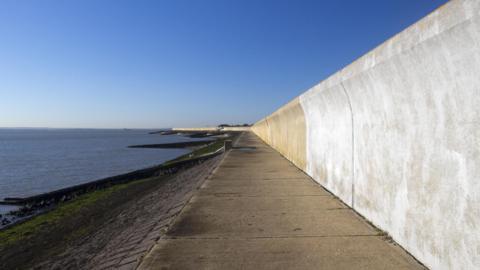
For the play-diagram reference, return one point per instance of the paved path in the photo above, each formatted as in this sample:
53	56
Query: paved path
258	211
126	237
152	215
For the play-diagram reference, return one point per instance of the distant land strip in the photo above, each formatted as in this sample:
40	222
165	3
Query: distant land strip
173	145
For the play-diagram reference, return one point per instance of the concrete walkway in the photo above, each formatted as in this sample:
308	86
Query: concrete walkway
258	211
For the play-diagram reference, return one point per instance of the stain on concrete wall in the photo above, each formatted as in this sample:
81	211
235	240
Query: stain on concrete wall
396	135
329	139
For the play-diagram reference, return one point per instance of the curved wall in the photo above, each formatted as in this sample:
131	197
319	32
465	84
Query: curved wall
396	135
285	131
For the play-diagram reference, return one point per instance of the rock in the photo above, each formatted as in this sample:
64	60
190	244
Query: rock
5	221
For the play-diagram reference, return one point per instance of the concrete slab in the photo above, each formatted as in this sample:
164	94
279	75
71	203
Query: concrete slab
291	183
245	175
266	203
286	189
259	212
358	253
249	223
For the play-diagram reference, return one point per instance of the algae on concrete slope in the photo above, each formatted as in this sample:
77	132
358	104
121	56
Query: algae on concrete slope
208	149
25	230
25	245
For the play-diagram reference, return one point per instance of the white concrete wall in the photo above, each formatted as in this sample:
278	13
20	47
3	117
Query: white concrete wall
396	135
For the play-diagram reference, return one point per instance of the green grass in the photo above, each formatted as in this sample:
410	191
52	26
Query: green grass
208	149
23	231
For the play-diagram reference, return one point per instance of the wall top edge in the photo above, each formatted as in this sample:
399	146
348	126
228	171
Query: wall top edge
440	20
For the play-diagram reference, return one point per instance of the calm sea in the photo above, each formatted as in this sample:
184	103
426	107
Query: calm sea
34	161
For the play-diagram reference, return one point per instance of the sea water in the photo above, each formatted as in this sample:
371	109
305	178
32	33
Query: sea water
34	161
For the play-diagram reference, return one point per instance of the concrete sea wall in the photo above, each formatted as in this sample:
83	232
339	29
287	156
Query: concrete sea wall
396	136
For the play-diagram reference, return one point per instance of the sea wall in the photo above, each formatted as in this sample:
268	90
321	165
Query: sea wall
396	136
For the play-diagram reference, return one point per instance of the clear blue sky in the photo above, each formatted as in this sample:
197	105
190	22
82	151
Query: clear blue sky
115	64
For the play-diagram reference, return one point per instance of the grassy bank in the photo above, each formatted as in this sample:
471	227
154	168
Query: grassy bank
22	245
24	231
210	148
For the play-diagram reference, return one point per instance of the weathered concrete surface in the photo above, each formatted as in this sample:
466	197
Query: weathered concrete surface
396	135
285	131
258	211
